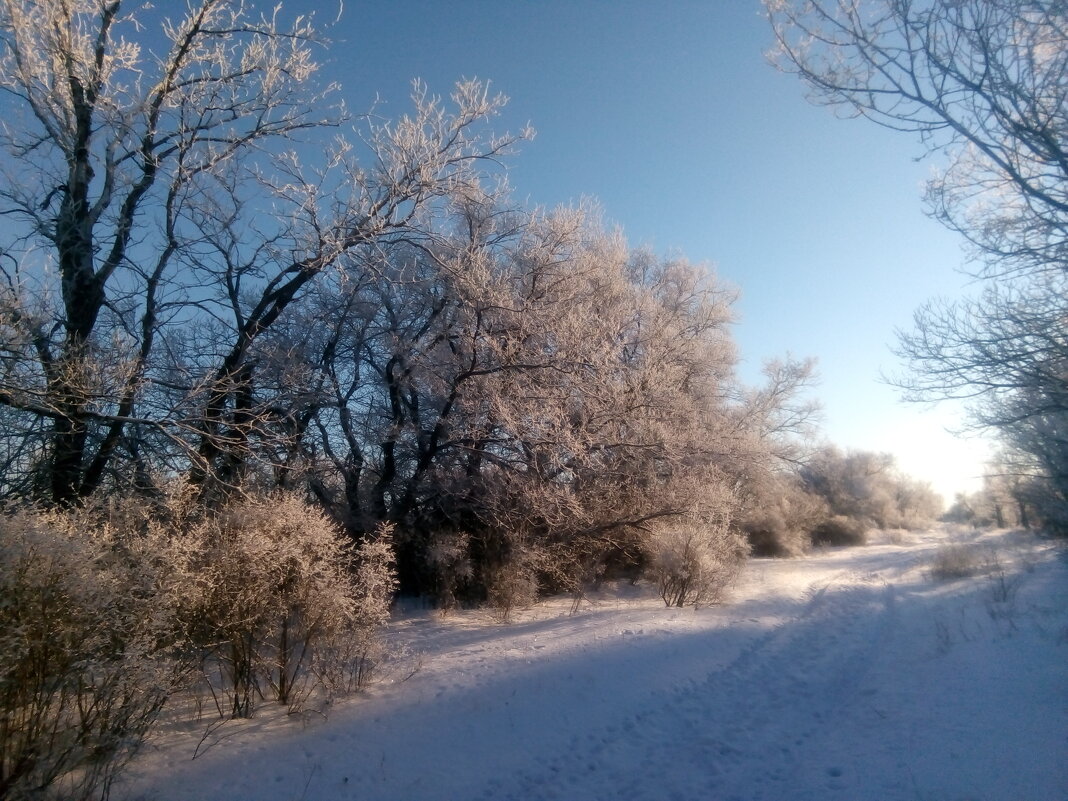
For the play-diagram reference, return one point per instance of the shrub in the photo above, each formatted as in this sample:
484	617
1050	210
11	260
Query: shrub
1003	584
83	661
777	514
513	582
954	561
780	524
896	536
104	612
772	540
265	584
840	530
693	562
347	658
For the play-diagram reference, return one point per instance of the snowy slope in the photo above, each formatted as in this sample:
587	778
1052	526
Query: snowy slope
848	674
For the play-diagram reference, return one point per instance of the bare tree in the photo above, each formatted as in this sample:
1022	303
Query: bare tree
1004	354
982	82
118	140
168	209
993	350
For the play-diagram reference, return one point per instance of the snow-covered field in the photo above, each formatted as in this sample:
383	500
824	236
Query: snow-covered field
849	674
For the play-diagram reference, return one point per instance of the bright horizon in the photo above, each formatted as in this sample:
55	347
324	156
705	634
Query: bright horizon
676	125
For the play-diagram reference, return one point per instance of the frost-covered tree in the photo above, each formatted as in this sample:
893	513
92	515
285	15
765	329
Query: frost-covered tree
170	223
981	82
869	490
530	387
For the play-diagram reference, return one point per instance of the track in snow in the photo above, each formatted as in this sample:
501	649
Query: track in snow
848	674
747	730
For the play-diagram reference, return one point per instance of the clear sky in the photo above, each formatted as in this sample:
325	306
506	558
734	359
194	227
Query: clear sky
669	115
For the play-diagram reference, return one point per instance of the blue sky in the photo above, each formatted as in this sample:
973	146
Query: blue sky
670	116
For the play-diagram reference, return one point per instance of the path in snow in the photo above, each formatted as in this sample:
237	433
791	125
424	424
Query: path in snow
848	674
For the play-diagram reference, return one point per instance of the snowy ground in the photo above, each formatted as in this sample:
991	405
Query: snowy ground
849	674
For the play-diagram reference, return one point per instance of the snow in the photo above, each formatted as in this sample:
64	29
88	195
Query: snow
850	674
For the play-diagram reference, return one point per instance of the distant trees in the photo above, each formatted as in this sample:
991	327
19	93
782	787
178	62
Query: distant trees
982	84
1016	492
834	498
868	488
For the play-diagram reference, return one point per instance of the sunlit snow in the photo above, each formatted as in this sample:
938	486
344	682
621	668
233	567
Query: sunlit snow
849	674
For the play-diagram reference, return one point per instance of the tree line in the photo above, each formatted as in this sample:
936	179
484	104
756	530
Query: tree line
216	277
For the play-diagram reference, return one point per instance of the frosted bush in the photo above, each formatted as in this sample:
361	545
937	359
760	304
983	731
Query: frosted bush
347	658
780	519
512	584
84	666
375	579
955	560
693	561
840	530
896	536
267	582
